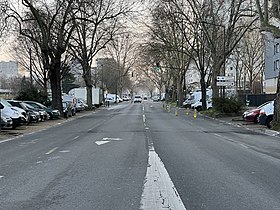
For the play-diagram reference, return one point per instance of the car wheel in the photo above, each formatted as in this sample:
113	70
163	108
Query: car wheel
257	119
268	122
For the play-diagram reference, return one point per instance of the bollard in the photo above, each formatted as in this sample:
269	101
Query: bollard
176	111
187	111
195	113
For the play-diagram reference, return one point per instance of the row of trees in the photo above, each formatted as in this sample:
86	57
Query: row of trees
200	33
51	34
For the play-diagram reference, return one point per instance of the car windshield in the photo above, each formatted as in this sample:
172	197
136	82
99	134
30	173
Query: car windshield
137	96
3	101
261	106
28	106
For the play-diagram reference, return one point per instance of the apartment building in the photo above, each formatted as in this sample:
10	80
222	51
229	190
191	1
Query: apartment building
272	62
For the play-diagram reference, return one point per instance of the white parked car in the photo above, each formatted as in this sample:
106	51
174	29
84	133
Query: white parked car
266	114
13	114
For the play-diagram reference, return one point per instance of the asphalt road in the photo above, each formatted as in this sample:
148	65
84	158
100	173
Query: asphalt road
140	156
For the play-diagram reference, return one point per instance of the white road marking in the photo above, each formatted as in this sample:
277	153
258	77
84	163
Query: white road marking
1	177
243	145
51	151
76	137
64	151
101	142
159	191
111	139
144	118
3	141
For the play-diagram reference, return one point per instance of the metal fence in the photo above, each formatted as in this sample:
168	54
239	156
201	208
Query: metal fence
256	99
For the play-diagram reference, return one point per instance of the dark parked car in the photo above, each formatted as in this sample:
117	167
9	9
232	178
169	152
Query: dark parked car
67	109
33	115
53	113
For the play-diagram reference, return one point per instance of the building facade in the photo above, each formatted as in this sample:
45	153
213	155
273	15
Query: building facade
9	69
272	62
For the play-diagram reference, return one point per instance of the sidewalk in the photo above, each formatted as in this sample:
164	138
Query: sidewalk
33	127
236	121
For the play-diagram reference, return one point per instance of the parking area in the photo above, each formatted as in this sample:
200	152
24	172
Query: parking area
33	127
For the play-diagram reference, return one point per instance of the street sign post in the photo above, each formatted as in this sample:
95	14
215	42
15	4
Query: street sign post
225	81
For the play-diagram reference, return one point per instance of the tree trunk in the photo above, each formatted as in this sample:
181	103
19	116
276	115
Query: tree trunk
215	88
276	116
89	97
89	84
56	89
203	92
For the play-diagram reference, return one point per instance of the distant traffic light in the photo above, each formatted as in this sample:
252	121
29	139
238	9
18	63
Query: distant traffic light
157	66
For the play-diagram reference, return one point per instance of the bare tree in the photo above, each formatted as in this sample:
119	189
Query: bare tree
251	55
123	49
48	25
97	23
167	49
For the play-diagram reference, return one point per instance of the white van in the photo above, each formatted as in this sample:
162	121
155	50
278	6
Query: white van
196	99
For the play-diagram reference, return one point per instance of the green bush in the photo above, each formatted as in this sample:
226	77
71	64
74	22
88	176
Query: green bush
32	94
227	105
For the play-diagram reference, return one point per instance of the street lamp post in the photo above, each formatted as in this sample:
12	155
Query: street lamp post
30	66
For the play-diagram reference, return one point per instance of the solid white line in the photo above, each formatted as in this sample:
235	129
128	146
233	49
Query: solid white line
243	145
3	141
51	151
159	191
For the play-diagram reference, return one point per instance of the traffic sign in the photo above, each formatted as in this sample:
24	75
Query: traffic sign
225	81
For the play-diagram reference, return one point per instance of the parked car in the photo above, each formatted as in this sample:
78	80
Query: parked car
33	115
53	113
72	101
81	105
67	109
137	99
109	101
266	114
6	121
13	114
252	115
24	117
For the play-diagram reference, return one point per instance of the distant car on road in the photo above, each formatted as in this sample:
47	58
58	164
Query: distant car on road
137	99
155	98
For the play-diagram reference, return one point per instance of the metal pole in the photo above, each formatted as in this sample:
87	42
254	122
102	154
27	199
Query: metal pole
30	66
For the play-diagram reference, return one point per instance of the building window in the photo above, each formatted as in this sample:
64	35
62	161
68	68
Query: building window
276	48
276	65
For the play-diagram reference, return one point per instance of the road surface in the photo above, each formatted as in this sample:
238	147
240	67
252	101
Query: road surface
140	156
